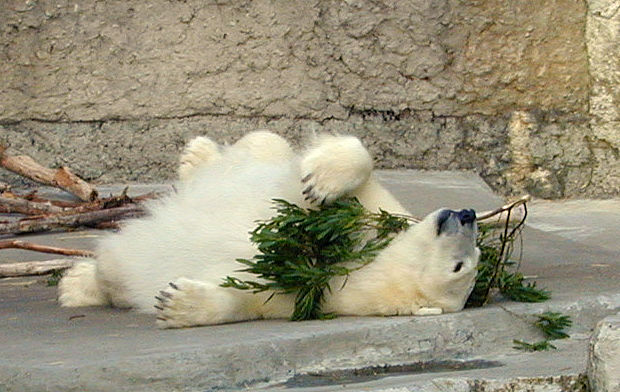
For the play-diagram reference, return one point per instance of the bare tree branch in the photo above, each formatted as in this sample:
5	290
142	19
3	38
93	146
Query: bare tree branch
9	205
16	244
34	267
73	220
515	216
501	211
61	178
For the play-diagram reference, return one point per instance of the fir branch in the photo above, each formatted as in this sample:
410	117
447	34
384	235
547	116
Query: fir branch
301	250
496	270
511	285
543	345
552	324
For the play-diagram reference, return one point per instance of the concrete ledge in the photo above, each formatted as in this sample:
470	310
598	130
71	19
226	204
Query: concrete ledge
604	358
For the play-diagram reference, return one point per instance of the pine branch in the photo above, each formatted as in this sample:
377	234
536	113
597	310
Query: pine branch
543	345
301	250
552	324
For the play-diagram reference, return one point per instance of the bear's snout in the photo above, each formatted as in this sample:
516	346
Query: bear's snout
466	216
452	222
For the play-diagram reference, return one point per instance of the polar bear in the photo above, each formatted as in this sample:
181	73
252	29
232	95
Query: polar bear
173	261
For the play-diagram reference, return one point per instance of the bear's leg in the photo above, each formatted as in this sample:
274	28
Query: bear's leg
265	146
188	303
334	166
199	152
79	287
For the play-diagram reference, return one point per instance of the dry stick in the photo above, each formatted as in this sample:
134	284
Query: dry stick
507	207
34	267
483	216
62	178
10	205
73	220
17	244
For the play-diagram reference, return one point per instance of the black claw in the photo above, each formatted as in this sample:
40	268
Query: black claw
306	178
307	190
160	299
165	294
158	307
174	286
161	318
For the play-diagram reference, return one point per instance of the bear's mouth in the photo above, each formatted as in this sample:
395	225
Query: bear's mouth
452	222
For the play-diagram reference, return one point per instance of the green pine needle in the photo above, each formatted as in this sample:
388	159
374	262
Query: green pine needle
552	324
54	277
513	287
538	346
301	250
497	271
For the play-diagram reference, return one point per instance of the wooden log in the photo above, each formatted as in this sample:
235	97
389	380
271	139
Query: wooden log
73	220
17	244
61	178
29	268
9	205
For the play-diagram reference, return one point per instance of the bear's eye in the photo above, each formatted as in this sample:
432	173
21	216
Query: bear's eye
458	266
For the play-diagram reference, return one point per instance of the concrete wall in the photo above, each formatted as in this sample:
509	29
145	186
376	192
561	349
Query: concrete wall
525	93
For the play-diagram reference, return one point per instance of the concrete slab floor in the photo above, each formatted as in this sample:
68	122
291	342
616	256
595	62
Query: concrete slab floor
45	347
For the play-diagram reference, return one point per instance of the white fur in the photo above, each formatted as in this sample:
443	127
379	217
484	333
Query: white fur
189	243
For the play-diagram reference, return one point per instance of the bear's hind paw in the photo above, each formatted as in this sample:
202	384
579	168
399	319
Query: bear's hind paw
188	303
334	167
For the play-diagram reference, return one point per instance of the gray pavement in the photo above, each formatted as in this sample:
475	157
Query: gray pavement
570	247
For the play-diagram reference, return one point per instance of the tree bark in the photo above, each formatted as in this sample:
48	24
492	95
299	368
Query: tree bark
9	205
34	267
16	244
72	220
61	178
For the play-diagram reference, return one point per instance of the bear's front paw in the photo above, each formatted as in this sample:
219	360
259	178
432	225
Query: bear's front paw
336	166
199	152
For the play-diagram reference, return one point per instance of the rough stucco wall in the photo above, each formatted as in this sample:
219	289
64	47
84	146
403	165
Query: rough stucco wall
603	36
426	83
311	59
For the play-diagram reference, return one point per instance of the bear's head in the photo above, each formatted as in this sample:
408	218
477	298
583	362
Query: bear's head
446	257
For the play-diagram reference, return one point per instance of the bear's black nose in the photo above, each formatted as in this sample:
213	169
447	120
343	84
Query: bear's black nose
466	216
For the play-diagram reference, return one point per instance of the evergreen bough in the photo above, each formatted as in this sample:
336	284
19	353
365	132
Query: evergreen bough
301	250
552	325
497	271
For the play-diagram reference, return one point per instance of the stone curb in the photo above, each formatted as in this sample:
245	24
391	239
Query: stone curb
604	356
274	359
